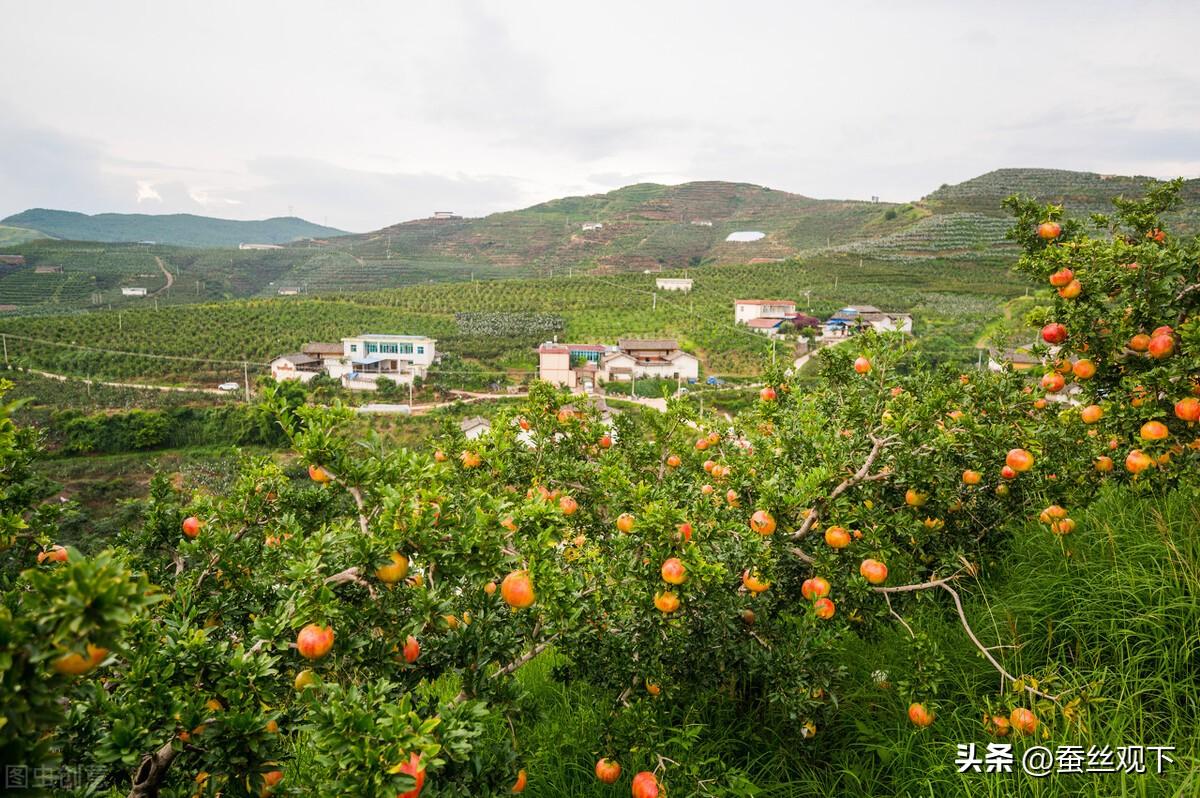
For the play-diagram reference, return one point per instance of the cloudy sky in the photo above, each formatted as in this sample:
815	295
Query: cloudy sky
360	114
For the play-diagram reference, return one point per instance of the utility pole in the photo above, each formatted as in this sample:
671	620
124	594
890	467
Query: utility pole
4	338
246	377
411	379
654	306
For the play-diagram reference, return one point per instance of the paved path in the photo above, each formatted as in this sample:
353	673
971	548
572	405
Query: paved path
139	386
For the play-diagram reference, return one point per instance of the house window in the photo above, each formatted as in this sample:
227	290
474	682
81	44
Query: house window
420	350
406	349
389	348
372	348
353	347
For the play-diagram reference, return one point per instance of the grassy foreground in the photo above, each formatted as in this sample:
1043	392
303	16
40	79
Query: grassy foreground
1121	613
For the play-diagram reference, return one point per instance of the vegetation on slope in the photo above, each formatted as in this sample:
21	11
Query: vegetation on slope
181	229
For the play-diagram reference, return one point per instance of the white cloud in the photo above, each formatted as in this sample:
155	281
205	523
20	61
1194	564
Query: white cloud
386	108
146	192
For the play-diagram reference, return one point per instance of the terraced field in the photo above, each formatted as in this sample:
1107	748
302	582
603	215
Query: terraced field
966	235
953	299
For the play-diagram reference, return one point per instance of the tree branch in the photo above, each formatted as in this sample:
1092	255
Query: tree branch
863	474
515	664
152	771
962	616
351	575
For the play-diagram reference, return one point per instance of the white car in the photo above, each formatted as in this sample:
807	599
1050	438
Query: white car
228	386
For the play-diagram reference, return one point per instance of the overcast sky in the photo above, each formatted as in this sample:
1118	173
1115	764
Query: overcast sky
361	114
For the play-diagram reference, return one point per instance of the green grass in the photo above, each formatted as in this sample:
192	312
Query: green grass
1121	613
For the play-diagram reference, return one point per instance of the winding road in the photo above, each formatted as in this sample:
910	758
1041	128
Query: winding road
170	277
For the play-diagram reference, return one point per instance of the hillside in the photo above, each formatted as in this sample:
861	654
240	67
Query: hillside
180	229
643	226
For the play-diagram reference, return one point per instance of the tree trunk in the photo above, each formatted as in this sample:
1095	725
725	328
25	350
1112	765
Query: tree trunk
151	772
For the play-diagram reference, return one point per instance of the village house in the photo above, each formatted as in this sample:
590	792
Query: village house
745	310
12	260
773	325
133	291
474	427
584	366
673	284
851	320
260	246
444	215
360	361
592	226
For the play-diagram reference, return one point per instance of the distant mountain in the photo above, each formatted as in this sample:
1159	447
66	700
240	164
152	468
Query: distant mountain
1082	192
643	226
180	229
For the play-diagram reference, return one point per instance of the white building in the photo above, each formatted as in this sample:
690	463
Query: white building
259	246
850	320
746	309
702	222
592	226
673	283
359	362
133	292
289	291
584	366
442	215
475	426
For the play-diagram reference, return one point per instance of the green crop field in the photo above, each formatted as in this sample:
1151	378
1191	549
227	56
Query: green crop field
951	301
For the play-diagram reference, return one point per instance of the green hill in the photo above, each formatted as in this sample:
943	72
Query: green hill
11	236
643	226
180	229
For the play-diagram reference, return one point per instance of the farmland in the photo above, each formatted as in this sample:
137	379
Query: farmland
951	301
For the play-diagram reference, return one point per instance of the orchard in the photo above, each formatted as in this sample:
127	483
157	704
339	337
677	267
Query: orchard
355	624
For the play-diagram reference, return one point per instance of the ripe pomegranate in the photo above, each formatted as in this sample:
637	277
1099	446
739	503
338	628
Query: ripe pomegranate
1061	277
1154	431
318	474
1188	409
625	522
1071	290
394	571
815	588
666	602
762	522
608	771
1137	461
673	572
1161	346
767	394
1054	333
517	590
1048	231
970	477
645	785
413	768
314	641
1019	460
919	715
412	650
824	608
191	526
753	582
837	537
1053	382
862	365
1091	414
873	571
1023	720
1084	369
55	553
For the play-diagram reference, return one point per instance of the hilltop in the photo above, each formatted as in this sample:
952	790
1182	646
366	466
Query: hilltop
180	229
652	226
643	226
